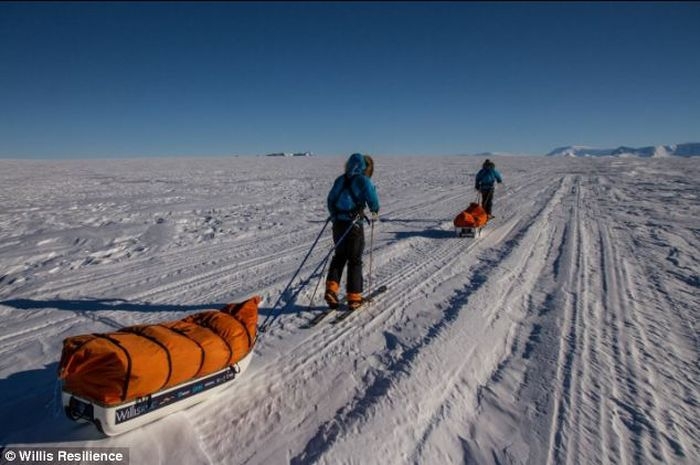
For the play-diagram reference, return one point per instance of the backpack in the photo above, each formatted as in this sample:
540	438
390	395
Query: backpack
358	205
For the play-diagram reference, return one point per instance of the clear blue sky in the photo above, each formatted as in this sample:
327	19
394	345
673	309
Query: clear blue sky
184	79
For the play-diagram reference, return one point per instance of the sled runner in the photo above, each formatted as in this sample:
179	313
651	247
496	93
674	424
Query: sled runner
130	377
468	232
469	222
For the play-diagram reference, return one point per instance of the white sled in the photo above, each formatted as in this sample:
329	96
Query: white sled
117	419
468	232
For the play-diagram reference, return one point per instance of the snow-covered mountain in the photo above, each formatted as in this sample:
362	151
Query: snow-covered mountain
579	151
657	151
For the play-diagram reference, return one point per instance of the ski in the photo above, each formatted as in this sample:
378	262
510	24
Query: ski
318	318
345	314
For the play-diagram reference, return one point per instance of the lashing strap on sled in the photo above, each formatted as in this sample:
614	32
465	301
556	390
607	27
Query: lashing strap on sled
201	349
128	363
205	325
245	329
159	344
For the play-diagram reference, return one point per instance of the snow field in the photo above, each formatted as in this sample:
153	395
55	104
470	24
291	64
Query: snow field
565	334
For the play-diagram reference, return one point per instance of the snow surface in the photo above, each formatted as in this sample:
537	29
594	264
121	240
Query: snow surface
566	334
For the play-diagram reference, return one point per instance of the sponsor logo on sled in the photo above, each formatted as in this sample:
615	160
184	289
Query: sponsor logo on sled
149	404
130	412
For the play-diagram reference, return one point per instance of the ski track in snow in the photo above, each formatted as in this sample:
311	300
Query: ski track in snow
566	334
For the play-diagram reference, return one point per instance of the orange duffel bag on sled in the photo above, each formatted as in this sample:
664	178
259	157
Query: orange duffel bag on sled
473	217
111	374
470	221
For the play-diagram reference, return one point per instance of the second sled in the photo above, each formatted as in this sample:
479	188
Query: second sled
469	222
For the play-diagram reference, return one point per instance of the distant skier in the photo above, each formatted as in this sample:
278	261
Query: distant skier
486	180
346	202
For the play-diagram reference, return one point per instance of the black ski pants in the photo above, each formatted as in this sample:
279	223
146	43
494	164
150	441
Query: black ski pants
349	252
487	200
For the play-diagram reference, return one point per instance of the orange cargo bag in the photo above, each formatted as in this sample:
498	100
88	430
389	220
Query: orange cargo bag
473	217
136	361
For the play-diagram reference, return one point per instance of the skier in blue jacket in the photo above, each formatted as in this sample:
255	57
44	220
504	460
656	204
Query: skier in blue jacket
486	180
346	202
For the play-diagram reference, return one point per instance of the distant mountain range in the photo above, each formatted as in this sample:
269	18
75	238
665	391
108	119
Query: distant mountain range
657	151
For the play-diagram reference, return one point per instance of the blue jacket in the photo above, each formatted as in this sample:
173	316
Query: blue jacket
352	191
486	178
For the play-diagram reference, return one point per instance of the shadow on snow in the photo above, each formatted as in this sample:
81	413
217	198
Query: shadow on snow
32	412
96	305
427	233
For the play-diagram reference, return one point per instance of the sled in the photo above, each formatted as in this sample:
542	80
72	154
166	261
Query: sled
124	379
113	420
469	222
468	232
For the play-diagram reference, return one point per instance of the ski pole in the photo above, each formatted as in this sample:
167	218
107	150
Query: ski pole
263	327
371	250
320	278
266	325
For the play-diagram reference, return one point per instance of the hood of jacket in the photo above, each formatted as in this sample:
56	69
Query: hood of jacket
355	165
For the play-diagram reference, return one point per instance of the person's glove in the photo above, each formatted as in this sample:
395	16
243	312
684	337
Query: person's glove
374	216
